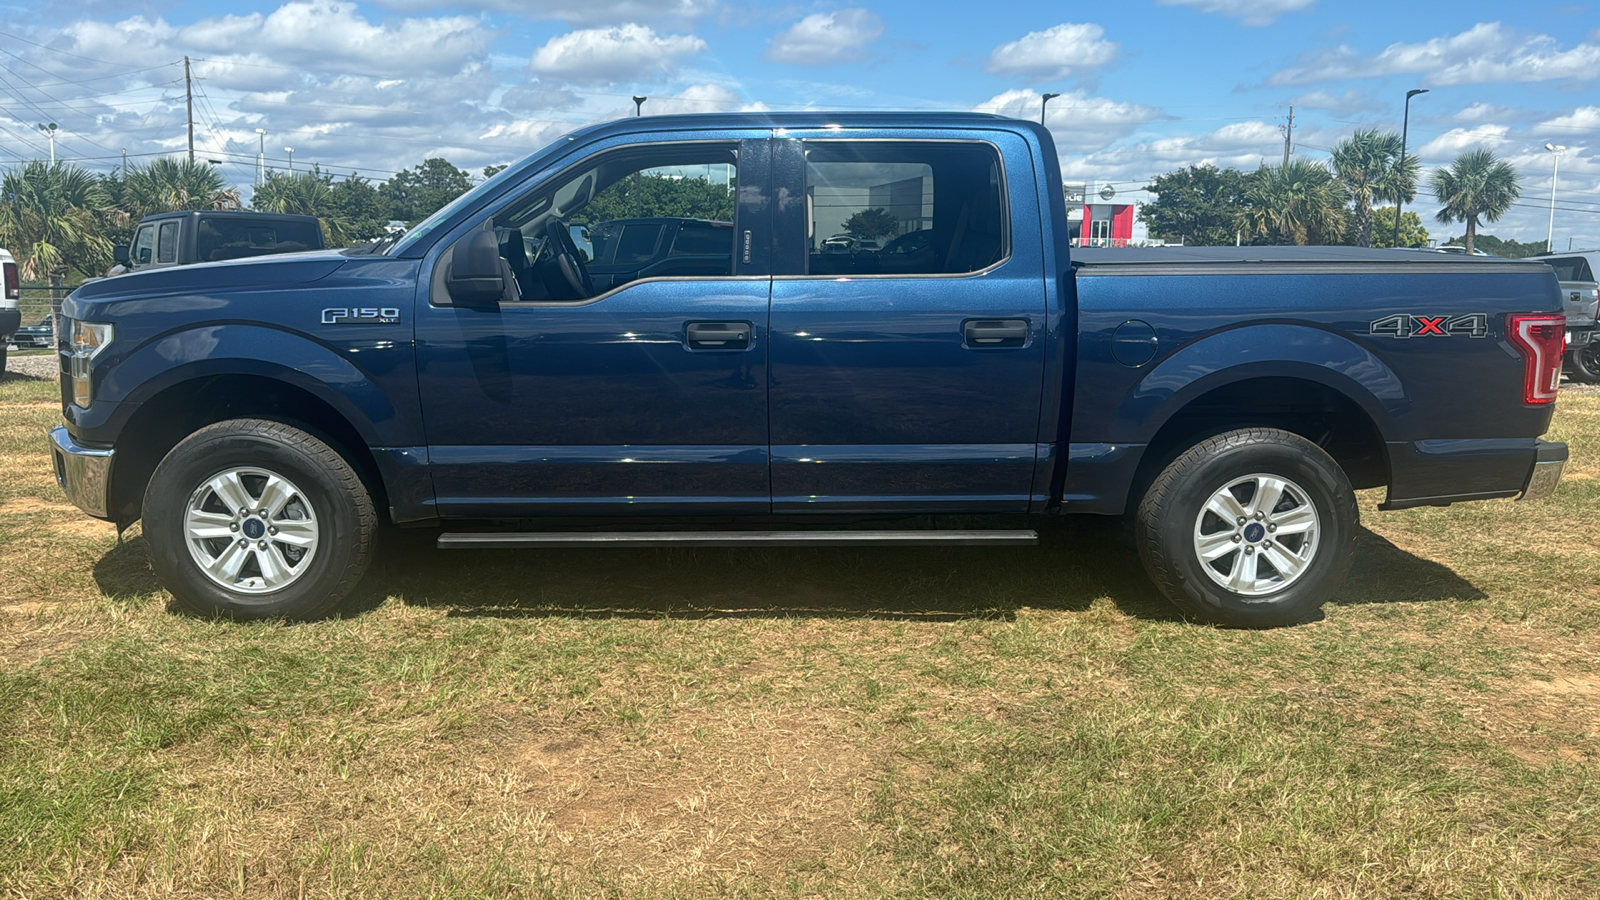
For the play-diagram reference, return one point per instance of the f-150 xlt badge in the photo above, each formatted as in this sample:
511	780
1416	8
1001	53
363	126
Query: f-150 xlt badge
364	315
1475	325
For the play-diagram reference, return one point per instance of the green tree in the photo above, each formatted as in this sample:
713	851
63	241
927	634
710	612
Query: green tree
1475	186
53	220
492	171
1509	249
1368	164
306	194
418	192
1198	206
1297	203
1412	234
872	224
360	209
659	195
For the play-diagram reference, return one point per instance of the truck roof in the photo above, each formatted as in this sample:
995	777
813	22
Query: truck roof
807	119
225	214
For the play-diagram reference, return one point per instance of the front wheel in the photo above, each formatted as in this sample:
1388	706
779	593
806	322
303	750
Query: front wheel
1251	528
254	519
1583	364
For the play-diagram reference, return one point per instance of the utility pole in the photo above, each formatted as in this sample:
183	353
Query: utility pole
1288	137
188	100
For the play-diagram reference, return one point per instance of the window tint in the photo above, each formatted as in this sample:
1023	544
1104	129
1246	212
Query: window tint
703	239
903	208
1571	268
167	243
235	238
637	244
143	245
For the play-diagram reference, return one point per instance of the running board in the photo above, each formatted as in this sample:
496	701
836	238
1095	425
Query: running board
510	540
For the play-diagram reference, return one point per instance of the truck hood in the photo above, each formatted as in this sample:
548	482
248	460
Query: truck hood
212	277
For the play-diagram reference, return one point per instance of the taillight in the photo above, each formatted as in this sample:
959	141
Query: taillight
13	285
1540	338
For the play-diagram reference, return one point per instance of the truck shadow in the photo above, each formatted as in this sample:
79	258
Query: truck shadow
1076	565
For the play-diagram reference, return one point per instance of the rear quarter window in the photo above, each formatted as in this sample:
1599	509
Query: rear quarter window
238	238
1571	268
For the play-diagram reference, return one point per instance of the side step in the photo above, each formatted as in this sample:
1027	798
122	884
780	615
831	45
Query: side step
515	539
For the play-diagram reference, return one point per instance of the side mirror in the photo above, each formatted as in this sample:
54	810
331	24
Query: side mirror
120	254
476	277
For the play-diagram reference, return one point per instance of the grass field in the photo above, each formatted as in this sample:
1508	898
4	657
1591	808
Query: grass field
810	723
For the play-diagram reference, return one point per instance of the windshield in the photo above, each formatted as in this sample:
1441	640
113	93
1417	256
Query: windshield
426	226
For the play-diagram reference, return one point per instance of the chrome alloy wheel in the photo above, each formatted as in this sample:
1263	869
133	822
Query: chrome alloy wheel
1257	534
250	530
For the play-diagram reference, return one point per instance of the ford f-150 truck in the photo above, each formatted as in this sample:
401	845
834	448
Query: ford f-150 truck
264	416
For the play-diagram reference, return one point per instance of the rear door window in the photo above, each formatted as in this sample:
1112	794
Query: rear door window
1571	268
167	243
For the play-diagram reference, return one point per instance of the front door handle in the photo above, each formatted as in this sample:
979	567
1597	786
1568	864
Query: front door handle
990	334
719	335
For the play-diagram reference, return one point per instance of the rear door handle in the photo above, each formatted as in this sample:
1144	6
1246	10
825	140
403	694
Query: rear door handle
719	335
991	334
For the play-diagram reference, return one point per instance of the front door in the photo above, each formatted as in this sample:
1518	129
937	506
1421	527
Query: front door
640	392
908	316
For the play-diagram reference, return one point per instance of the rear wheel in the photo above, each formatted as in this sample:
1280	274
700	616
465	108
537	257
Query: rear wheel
255	519
1251	528
1583	364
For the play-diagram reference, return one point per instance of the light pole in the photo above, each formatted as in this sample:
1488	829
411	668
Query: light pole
124	163
1555	150
1405	132
290	151
261	156
1043	102
50	131
638	106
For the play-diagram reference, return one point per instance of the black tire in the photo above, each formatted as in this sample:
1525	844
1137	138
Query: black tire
3	349
1172	524
1583	364
329	502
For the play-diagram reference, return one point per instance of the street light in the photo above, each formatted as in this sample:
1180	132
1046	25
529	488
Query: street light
638	105
1405	132
1043	102
290	151
261	156
1550	239
50	131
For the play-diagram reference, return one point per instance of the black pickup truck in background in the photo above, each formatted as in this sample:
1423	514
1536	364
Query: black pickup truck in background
183	238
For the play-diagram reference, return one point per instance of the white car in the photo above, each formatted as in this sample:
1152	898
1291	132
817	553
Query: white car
10	312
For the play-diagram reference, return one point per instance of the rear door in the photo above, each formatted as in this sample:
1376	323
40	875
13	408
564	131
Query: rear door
906	378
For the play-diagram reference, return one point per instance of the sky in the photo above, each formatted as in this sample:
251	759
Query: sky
1146	86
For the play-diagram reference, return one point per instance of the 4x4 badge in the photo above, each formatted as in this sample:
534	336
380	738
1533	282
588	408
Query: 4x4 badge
366	315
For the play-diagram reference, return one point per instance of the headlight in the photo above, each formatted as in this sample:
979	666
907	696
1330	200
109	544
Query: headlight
88	339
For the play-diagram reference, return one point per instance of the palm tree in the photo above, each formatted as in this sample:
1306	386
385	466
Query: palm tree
168	184
53	221
1299	203
307	194
1369	165
1476	185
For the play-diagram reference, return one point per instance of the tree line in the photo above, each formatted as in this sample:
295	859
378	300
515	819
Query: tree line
60	218
1307	201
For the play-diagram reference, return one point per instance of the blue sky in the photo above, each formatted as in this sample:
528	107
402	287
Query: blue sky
1147	86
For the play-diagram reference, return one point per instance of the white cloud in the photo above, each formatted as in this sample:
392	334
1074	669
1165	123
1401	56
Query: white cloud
1451	144
1584	118
699	98
1481	112
613	55
1054	53
1078	122
311	36
1348	103
1485	53
578	12
824	39
1248	12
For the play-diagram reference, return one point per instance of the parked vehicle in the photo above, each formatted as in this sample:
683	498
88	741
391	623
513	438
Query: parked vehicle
623	250
772	393
185	238
10	300
35	337
1581	294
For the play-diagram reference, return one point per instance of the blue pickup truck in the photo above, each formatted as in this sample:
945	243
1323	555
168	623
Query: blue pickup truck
264	417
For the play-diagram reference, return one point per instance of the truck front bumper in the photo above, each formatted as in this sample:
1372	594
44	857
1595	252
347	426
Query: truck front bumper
1550	460
84	473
